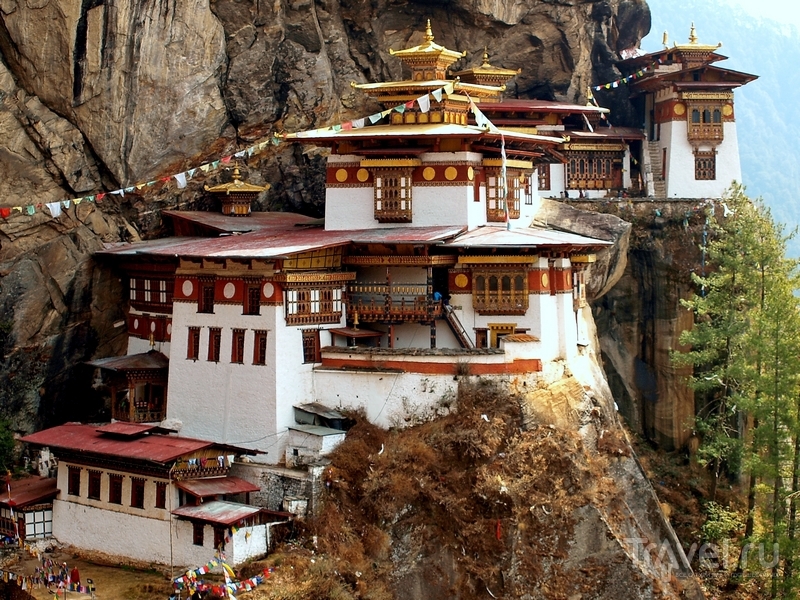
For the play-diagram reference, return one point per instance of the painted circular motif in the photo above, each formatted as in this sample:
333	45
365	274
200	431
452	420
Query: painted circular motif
362	175
229	290
152	327
136	323
545	280
169	328
429	173
470	173
450	173
341	175
679	109
461	280
187	288
269	289
727	110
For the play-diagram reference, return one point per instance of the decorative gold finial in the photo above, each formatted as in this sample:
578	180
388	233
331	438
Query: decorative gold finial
486	56
237	176
152	342
428	32
692	35
665	39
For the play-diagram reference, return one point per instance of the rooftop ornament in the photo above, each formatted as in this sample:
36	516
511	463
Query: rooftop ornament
237	195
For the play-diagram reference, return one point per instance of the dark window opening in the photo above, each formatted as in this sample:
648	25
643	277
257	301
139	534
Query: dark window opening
214	343
94	485
161	494
311	346
193	347
206	304
237	346
137	492
260	348
74	483
197	533
115	489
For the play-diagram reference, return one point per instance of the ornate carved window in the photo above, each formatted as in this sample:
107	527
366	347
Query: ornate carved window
498	194
544	176
206	300
306	306
393	195
151	294
311	346
705	122
252	299
260	348
500	292
590	170
705	165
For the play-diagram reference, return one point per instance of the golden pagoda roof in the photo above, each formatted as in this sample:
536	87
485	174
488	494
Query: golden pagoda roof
417	86
428	51
694	45
237	186
487	70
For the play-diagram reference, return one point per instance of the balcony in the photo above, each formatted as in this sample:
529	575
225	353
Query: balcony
391	303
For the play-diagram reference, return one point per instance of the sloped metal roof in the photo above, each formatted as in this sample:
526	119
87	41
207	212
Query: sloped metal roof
219	512
215	486
152	447
147	361
29	490
496	237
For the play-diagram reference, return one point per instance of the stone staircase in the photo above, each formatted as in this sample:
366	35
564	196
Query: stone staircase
660	186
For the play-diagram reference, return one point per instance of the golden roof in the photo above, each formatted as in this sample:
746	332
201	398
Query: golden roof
487	72
694	45
428	51
237	186
418	86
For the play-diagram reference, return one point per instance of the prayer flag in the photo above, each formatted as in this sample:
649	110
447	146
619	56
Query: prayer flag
424	103
181	179
437	94
55	208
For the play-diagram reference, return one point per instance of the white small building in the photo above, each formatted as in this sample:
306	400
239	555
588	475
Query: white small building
140	493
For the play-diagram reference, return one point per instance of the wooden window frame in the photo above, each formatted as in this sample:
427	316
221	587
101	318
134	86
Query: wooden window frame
705	165
219	537
392	197
591	170
214	343
137	492
150	293
198	530
74	481
705	123
495	203
252	299
193	344
237	346
161	494
313	306
205	298
311	346
95	479
114	488
260	347
544	176
501	291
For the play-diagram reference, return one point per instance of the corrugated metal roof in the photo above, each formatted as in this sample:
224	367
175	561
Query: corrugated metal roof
516	105
317	430
416	130
29	490
257	221
130	429
520	338
321	410
495	237
158	448
214	486
219	512
282	242
147	361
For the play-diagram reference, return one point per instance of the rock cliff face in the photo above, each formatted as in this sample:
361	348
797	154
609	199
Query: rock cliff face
99	94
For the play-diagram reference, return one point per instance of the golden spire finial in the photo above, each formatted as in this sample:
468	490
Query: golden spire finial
428	32
486	56
665	39
692	35
237	176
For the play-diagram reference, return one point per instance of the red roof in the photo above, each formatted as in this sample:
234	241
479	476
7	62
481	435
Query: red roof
29	490
153	447
218	512
518	105
257	221
148	361
281	242
215	486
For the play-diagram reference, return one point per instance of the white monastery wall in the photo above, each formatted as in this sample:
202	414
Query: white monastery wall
351	208
140	346
244	547
221	401
681	182
435	205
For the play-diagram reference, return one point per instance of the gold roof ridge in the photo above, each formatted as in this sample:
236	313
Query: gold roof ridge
694	44
428	49
236	185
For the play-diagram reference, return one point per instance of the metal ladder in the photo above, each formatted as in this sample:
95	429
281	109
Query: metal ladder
457	327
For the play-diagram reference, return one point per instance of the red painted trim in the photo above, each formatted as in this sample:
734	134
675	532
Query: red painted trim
435	368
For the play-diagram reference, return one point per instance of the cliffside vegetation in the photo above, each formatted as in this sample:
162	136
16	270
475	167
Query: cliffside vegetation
744	349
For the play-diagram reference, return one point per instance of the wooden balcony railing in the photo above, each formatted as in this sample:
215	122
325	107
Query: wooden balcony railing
396	303
139	416
500	303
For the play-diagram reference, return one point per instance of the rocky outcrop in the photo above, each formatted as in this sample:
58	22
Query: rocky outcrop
639	321
100	94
